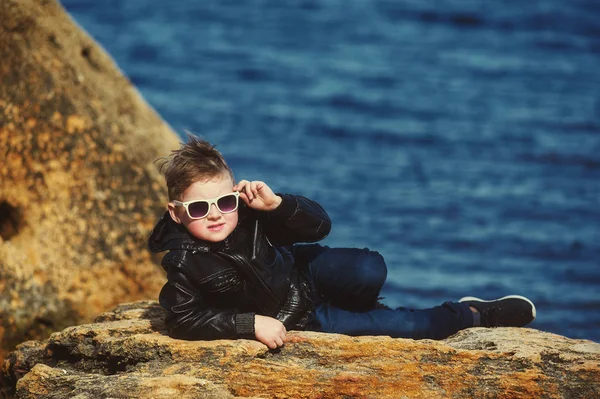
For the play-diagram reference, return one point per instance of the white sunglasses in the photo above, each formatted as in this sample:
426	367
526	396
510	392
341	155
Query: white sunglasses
198	209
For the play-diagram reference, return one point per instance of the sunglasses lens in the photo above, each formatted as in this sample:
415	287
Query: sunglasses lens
198	209
227	203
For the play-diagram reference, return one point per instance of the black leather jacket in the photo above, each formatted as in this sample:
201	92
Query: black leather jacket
213	290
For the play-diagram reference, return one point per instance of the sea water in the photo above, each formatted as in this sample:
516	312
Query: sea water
460	139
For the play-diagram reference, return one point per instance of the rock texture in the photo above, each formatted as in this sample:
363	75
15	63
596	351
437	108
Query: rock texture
78	188
126	354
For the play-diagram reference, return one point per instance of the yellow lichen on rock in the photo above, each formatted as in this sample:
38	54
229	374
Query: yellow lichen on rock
127	352
79	191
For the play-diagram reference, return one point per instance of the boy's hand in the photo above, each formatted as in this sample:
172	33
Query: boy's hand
257	195
269	331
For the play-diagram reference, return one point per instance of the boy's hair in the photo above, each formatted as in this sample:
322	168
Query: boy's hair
194	161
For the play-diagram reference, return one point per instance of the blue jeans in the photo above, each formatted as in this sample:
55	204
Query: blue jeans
347	282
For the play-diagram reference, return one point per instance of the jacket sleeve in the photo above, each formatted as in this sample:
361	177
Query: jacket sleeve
296	219
188	316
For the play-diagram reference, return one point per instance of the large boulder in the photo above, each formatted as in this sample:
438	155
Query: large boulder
79	191
127	354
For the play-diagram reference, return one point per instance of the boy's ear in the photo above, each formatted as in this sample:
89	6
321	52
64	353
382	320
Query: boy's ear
173	213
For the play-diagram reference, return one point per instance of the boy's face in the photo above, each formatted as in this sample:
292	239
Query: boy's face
216	226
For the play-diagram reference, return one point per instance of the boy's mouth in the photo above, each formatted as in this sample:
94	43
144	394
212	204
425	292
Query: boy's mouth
216	227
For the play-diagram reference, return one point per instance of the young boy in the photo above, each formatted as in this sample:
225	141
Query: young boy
235	268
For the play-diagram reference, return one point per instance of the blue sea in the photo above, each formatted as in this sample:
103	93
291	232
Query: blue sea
460	139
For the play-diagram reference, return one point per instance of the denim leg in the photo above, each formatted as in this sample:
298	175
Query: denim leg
434	323
348	278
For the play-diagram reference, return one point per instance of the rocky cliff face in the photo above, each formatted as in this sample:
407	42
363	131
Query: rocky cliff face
78	189
127	354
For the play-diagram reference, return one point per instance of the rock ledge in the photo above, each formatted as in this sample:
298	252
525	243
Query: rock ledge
126	353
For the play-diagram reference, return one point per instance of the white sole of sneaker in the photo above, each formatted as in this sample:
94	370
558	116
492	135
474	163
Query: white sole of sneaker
472	298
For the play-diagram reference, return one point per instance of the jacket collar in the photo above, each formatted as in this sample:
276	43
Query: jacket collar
168	235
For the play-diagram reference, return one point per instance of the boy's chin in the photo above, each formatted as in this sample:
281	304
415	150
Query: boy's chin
214	239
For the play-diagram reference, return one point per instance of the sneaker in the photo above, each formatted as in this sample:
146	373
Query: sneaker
509	311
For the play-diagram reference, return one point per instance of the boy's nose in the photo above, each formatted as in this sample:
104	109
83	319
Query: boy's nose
213	212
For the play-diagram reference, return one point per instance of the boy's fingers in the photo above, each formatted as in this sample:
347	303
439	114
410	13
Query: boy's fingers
248	189
243	189
240	186
244	197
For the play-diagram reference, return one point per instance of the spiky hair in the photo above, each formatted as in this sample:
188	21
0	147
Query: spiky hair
194	161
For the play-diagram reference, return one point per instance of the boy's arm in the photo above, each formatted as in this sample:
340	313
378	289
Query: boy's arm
189	318
288	219
296	219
